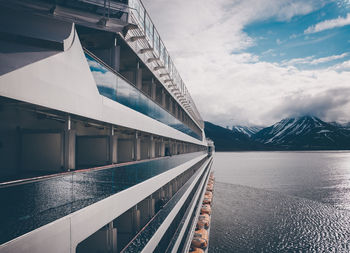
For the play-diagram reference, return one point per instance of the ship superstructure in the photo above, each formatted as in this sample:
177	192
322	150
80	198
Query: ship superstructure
102	148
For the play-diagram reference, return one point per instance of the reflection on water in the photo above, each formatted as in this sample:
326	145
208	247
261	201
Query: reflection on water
320	176
281	202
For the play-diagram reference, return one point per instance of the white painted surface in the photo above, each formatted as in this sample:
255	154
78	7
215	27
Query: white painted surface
53	238
88	220
194	224
152	244
187	220
64	82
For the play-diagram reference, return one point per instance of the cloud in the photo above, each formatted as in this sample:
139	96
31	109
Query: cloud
311	60
340	67
329	58
328	24
294	61
229	86
325	104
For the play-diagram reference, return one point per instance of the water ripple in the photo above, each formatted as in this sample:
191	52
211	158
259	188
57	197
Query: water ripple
247	219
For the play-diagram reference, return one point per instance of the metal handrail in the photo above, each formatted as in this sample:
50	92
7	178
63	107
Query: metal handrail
185	92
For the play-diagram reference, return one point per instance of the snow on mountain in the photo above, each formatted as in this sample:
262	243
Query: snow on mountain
247	130
228	140
307	132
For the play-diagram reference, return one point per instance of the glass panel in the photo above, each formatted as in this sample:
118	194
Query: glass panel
146	234
156	43
114	87
170	68
30	205
165	57
107	81
162	51
149	29
140	12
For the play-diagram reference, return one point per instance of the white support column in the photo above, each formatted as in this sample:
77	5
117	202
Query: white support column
170	105
176	111
136	219
137	147
113	146
152	147
153	90
171	149
170	190
152	205
175	148
69	145
162	148
138	77
112	238
163	99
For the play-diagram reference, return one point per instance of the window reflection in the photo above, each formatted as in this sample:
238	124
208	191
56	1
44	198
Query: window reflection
114	87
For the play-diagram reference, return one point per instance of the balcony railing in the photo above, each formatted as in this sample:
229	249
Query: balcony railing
143	237
139	16
31	204
110	84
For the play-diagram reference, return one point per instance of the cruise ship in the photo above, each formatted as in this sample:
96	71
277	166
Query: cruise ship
102	148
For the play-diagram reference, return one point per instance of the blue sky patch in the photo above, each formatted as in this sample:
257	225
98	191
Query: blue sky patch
283	41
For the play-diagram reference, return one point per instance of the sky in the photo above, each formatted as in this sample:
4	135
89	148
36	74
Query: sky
255	62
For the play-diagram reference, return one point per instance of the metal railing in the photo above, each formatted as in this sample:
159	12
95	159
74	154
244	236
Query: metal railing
139	16
110	84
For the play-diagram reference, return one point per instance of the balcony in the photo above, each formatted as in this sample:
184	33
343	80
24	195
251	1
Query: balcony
31	203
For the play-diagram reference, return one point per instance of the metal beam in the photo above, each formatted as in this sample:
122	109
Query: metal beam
152	59
135	38
158	68
128	27
144	50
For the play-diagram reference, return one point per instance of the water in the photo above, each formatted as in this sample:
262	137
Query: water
281	202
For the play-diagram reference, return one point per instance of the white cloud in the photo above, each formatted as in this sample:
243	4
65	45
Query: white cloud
292	62
329	58
344	66
231	88
311	60
329	24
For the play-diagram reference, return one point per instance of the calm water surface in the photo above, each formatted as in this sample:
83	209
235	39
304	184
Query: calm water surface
281	202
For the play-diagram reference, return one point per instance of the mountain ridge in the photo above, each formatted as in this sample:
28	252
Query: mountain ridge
247	130
298	133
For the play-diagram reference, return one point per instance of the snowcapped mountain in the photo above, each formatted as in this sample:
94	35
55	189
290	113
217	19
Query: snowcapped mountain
228	140
247	130
307	132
